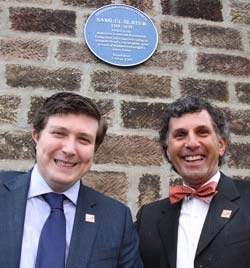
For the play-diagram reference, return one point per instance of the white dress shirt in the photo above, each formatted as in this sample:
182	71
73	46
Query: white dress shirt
192	216
37	211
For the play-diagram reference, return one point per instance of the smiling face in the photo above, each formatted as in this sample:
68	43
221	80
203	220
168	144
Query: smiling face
194	147
65	149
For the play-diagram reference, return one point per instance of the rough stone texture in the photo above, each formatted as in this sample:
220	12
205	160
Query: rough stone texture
74	52
113	184
87	3
223	64
129	150
23	49
149	189
171	32
238	155
1	20
211	89
243	92
143	5
34	1
142	115
239	121
106	106
8	109
171	60
175	180
198	9
15	146
35	104
29	76
215	37
135	84
43	20
107	109
240	12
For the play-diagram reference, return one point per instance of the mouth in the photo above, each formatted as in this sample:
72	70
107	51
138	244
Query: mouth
193	158
65	164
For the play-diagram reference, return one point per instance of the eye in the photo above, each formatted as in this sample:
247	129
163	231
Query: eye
179	135
84	140
58	134
203	132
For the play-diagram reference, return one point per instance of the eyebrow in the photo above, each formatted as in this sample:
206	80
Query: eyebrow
179	130
81	134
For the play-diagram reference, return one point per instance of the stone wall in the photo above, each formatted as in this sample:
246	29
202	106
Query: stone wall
204	49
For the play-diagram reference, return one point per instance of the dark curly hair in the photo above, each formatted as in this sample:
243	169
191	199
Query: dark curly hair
193	104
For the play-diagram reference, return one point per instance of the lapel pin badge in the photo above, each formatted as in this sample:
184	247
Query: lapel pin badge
90	218
226	213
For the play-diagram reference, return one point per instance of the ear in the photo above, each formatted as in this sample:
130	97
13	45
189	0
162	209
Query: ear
35	135
168	154
222	146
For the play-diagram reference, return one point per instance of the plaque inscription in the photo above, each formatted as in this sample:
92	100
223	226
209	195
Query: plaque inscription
120	35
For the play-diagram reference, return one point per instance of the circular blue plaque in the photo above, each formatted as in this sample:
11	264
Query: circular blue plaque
120	35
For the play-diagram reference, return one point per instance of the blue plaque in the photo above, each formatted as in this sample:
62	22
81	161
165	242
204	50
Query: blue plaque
120	35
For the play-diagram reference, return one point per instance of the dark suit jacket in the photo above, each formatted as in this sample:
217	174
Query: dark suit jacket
110	242
224	242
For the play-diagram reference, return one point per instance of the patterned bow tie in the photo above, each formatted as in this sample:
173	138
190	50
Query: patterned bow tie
177	193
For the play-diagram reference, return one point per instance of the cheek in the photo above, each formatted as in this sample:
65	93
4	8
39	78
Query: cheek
86	154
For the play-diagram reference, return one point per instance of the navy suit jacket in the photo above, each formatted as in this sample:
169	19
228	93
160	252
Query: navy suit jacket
224	241
110	242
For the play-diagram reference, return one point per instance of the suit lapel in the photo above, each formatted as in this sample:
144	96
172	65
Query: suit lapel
84	231
13	198
224	200
168	229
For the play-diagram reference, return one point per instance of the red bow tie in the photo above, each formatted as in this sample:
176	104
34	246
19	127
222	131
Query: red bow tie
177	193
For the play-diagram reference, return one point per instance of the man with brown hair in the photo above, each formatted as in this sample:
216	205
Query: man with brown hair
49	219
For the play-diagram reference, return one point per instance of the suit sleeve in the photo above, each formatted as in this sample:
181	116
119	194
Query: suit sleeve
129	252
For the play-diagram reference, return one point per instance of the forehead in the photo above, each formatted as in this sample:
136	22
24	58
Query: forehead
72	121
191	120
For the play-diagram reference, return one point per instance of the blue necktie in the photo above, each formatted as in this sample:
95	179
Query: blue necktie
52	243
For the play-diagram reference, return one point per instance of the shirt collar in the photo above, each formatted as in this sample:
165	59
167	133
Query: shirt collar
38	186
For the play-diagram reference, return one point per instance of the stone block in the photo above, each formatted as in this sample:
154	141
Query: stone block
142	115
143	5
171	32
240	12
171	60
223	64
149	189
8	108
29	49
16	146
113	184
55	79
197	9
238	155
133	84
87	3
215	37
211	89
30	19
68	51
129	150
243	92
239	121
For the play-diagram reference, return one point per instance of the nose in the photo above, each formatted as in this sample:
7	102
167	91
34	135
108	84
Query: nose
192	142
69	147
